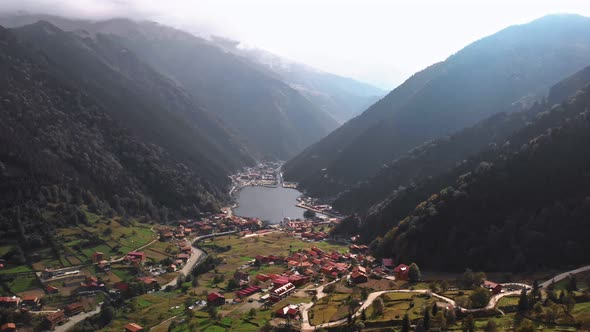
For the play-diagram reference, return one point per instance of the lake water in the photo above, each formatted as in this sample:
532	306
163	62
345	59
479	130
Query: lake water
272	204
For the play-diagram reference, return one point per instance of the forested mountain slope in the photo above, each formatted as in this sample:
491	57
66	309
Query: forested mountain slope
398	188
84	122
272	119
502	72
519	208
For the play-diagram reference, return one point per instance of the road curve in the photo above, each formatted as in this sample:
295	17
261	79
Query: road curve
564	275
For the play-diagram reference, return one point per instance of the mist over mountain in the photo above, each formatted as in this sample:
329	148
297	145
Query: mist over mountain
503	72
341	97
274	115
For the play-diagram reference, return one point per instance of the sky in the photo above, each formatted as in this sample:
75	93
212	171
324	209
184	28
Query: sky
381	42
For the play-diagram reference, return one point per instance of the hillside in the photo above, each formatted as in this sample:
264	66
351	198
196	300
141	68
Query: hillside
516	209
85	123
341	97
271	118
503	72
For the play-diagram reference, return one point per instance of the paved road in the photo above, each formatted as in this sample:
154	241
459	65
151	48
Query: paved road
76	319
564	275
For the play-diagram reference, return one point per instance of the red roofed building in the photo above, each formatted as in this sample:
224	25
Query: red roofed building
401	272
290	311
132	327
494	287
387	262
73	308
262	277
97	257
215	299
10	302
54	319
8	327
136	256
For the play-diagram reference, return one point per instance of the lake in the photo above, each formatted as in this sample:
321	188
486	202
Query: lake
272	204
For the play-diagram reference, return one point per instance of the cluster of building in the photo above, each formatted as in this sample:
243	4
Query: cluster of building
264	174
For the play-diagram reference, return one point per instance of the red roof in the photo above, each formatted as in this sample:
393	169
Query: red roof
214	296
133	327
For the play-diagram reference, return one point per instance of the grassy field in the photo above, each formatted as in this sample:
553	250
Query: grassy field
24	283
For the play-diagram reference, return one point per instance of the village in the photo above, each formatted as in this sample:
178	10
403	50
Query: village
239	267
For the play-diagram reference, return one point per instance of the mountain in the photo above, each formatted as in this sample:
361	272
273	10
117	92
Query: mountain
504	72
341	97
84	122
520	207
271	118
438	172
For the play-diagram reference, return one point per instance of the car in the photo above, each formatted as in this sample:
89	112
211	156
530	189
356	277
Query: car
250	300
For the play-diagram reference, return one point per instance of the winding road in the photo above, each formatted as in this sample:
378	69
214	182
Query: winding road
307	327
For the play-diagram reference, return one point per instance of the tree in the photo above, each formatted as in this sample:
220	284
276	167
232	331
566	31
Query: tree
426	319
569	302
378	306
444	285
480	297
441	320
434	309
309	214
468	324
414	274
252	313
406	323
180	279
523	302
572	283
420	326
363	315
491	326
525	326
451	317
232	284
107	314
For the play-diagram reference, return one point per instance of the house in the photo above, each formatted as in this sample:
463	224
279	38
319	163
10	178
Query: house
241	276
183	257
262	277
401	272
215	299
358	277
166	236
132	327
97	257
248	291
8	327
494	287
51	290
149	281
298	280
73	309
103	265
387	262
290	311
31	301
282	292
54	319
10	302
136	256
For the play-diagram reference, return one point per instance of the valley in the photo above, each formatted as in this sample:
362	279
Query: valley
158	178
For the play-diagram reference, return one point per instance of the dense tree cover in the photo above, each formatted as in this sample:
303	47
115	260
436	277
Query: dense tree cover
269	116
494	74
514	202
75	132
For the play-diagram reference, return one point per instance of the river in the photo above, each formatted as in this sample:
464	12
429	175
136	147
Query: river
272	204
